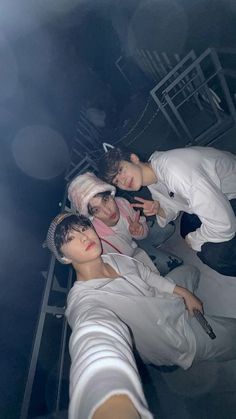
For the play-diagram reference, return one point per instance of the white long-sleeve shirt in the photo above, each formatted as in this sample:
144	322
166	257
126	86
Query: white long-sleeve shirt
201	181
99	311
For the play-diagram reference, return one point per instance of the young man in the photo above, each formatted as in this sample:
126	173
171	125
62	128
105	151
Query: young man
117	224
201	181
115	303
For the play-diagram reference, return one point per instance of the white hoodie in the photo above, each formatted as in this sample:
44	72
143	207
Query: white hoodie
201	181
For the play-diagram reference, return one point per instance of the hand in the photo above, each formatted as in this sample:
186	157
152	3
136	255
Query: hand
192	303
187	241
190	300
135	227
149	207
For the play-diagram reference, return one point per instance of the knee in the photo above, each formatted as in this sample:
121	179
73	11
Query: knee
219	257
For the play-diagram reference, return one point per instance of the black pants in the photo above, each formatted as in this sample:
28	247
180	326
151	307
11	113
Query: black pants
219	256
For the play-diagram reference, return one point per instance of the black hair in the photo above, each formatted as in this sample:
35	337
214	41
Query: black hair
74	222
98	195
108	165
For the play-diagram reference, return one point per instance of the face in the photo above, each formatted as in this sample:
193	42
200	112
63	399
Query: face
82	246
104	208
129	176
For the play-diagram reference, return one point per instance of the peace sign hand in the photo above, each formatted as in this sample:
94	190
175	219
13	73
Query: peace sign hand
135	227
149	207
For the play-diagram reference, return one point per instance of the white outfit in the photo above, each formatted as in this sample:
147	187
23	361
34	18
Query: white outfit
201	181
99	311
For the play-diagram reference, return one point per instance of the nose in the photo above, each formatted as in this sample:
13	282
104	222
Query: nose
107	211
83	236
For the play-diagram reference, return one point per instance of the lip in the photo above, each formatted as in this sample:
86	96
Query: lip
89	246
130	183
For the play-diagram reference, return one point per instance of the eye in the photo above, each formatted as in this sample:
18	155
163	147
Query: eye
106	198
69	238
120	169
83	229
94	211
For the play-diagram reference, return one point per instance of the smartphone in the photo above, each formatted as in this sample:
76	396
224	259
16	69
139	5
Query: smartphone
204	323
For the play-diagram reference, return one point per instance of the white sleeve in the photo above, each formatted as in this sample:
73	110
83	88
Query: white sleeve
170	213
155	279
102	361
215	212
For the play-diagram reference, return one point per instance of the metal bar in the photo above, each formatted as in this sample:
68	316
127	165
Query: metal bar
165	113
160	63
117	64
178	117
63	346
143	63
224	85
157	66
147	64
37	341
152	64
167	61
190	55
203	84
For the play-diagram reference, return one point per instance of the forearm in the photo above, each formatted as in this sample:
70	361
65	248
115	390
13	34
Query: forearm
101	352
166	215
204	234
161	213
116	407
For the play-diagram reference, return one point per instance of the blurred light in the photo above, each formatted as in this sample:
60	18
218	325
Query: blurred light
160	25
8	70
40	152
59	6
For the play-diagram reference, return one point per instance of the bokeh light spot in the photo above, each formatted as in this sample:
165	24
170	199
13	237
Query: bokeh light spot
40	152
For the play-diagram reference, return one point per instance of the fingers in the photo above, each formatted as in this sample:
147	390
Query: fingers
129	220
149	213
137	216
137	198
137	205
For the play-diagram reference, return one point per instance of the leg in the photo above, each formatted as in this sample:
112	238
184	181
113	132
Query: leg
189	223
158	235
223	347
185	276
220	256
164	261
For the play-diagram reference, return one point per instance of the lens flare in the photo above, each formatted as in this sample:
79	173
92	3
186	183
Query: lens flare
40	152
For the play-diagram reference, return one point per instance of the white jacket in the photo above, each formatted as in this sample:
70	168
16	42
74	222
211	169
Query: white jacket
99	311
201	181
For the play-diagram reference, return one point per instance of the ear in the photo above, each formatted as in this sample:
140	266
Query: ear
66	261
134	158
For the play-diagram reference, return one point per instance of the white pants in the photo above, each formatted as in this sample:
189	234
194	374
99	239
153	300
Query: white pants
223	347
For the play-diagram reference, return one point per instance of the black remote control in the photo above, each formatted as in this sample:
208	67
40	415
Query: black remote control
204	323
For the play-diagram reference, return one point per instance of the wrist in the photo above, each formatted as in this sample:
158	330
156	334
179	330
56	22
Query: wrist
182	292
